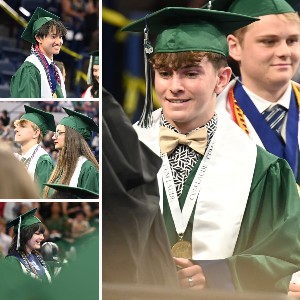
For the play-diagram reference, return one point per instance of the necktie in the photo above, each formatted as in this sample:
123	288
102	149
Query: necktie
52	76
196	140
274	116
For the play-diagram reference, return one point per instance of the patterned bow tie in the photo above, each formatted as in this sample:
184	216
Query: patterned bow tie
196	140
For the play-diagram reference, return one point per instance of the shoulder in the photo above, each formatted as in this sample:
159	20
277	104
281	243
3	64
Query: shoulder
270	169
88	165
45	158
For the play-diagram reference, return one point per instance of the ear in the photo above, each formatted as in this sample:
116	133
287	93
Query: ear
234	47
224	75
38	39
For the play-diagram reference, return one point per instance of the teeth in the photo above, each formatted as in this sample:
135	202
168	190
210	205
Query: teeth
178	101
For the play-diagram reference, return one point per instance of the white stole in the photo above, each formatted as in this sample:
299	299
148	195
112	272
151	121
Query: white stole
224	191
45	87
74	180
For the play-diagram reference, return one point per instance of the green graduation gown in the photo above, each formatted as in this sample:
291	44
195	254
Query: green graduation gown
43	171
26	83
14	262
88	178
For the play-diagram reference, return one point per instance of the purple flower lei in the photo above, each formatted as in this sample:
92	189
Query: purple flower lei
37	52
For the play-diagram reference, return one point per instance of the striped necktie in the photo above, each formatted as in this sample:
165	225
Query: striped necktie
274	116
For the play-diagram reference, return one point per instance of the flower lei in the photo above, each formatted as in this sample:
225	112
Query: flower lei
29	267
237	113
35	50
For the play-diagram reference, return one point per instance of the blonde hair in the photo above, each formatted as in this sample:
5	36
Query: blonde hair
74	147
15	182
292	17
33	125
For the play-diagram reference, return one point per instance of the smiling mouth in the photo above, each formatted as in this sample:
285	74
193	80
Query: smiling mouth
177	100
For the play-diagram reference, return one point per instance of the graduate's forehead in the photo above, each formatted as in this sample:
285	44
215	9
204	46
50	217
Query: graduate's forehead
60	127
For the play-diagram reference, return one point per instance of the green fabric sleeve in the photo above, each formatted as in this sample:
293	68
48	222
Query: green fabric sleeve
26	82
267	251
89	177
43	171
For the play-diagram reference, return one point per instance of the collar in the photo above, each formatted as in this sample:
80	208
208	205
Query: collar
210	125
262	104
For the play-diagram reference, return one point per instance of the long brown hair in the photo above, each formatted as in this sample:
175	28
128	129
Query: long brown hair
75	146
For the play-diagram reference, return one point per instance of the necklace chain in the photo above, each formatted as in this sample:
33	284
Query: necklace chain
29	267
28	160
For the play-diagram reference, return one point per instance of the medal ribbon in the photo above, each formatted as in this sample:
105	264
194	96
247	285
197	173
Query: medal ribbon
181	218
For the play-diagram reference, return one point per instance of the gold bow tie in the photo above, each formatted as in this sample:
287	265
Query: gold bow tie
196	140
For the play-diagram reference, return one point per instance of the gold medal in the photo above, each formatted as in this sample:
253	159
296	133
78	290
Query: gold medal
182	249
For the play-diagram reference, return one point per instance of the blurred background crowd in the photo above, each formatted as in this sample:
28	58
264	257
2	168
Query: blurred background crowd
81	18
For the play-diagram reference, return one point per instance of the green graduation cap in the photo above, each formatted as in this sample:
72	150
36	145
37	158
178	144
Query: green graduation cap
44	120
254	8
94	60
190	29
23	221
80	122
75	192
38	19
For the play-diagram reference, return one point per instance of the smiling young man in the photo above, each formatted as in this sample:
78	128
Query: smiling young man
263	101
29	132
38	76
228	204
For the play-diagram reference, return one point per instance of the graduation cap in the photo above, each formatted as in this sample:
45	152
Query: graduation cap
75	192
80	122
38	19
23	221
181	29
254	8
94	60
44	120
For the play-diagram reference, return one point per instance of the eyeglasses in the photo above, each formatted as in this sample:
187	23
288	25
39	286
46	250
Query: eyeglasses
58	133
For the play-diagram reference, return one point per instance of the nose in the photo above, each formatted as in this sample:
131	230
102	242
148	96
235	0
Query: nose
176	84
54	137
283	49
16	129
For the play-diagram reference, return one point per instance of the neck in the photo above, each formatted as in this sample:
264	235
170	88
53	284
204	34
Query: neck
26	146
271	93
50	56
188	127
27	251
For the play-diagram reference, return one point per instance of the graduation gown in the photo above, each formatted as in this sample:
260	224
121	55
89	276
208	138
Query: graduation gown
30	81
89	177
223	107
15	263
134	242
43	171
247	208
